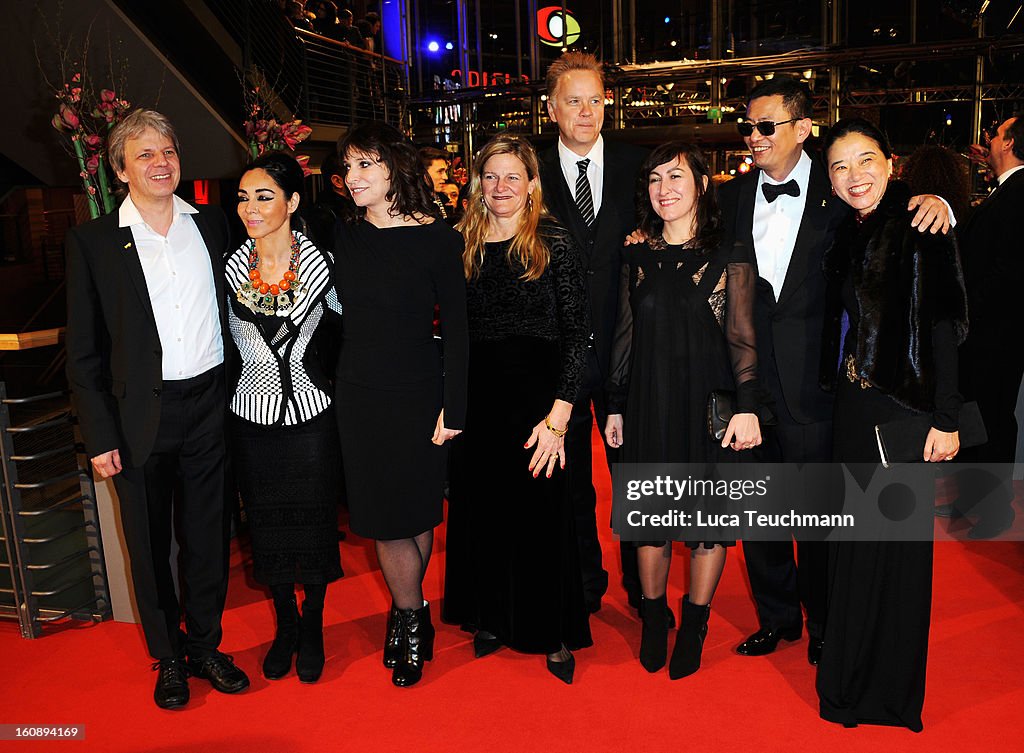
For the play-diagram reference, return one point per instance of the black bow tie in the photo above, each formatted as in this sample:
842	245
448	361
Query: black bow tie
771	190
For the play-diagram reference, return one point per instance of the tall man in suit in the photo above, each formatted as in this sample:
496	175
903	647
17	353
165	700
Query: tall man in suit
145	350
589	185
991	366
784	210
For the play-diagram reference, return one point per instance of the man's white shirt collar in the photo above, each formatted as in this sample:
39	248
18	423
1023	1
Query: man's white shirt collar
1002	178
596	154
128	214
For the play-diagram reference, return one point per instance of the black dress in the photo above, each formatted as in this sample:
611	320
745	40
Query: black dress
393	376
875	652
284	442
685	328
512	562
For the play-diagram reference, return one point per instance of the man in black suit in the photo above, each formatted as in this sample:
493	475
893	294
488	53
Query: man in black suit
784	210
145	351
589	185
991	366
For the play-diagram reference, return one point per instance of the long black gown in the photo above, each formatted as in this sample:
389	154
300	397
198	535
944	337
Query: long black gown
875	652
512	562
685	328
393	378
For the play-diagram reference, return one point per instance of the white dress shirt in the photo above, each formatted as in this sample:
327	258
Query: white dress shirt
595	170
179	277
776	224
1002	178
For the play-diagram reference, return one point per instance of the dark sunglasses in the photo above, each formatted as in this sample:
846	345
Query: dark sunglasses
764	127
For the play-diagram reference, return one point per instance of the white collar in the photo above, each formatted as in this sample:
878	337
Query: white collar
128	214
596	154
801	173
1002	178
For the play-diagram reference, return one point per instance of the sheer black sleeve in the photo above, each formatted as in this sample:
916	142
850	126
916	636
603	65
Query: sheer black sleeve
740	289
948	400
617	386
573	313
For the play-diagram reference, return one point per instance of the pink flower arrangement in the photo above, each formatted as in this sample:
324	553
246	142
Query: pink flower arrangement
264	132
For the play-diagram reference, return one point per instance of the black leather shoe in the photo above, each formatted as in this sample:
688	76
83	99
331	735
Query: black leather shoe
563	670
948	510
392	639
171	690
221	671
763	642
484	644
309	663
813	651
278	661
417	645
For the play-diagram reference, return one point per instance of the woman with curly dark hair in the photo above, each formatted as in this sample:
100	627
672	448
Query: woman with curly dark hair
397	403
685	328
939	170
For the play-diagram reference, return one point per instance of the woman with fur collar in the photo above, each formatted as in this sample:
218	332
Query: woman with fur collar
903	292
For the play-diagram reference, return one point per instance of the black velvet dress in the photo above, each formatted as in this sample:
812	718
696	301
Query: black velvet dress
512	563
393	378
875	652
685	328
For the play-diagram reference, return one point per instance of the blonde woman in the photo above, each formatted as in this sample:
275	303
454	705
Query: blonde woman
512	573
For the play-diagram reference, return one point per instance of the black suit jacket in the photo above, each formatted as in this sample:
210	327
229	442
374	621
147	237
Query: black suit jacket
789	328
114	354
601	243
993	262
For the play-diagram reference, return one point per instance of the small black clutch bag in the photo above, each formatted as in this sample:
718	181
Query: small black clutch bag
721	407
903	441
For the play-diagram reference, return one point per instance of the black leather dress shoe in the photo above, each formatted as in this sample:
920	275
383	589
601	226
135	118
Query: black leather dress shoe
485	644
763	642
990	527
813	651
221	671
171	690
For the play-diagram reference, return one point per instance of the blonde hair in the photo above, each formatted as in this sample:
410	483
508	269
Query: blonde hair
527	248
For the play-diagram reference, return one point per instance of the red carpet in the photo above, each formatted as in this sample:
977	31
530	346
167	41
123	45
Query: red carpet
97	675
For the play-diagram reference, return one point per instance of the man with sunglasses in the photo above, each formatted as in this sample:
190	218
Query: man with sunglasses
785	212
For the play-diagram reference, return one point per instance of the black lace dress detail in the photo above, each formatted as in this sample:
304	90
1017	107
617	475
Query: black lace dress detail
553	307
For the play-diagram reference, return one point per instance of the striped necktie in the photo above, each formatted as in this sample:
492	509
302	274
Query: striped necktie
584	199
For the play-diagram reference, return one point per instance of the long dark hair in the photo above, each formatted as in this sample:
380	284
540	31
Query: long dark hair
708	220
941	171
287	175
410	193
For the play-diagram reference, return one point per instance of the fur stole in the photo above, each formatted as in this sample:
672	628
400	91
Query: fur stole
904	282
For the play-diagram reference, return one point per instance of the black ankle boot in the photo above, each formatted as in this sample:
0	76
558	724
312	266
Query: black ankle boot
654	635
417	645
278	661
393	639
693	629
309	664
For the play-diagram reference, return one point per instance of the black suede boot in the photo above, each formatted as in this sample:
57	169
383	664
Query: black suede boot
417	645
309	664
693	629
654	635
278	661
392	639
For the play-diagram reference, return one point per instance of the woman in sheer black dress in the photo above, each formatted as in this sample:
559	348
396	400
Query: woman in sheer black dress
685	328
903	293
512	572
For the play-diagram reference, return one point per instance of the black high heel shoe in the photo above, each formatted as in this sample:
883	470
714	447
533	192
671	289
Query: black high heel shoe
417	645
485	644
563	669
393	639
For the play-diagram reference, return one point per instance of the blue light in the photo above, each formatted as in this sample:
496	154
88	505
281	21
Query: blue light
449	46
433	46
668	20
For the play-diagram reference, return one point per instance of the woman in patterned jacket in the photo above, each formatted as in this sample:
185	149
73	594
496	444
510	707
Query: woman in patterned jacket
284	436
